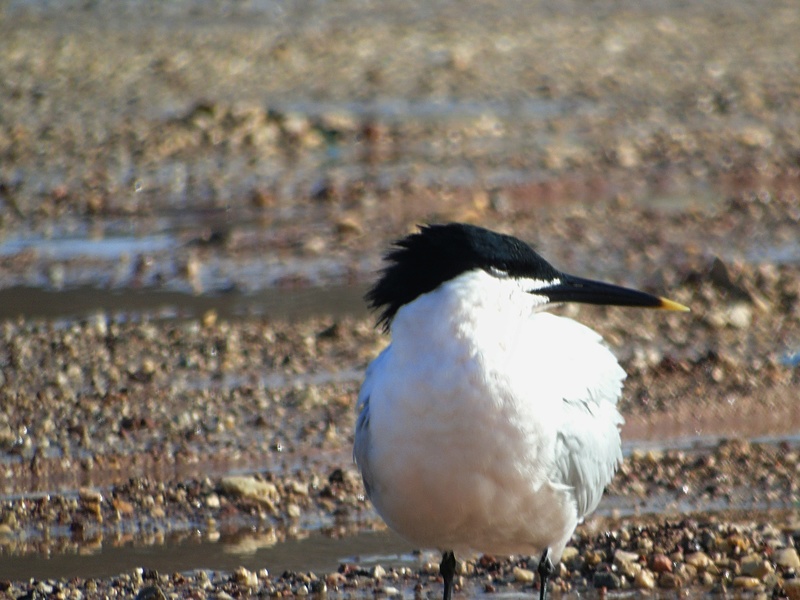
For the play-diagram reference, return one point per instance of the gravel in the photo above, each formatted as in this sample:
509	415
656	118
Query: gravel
654	146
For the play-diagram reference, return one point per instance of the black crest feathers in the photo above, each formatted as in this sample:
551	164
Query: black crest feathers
422	261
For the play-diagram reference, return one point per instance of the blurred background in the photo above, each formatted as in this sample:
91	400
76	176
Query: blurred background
194	196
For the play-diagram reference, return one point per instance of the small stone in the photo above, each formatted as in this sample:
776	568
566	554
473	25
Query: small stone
391	591
244	577
335	579
595	557
212	501
209	318
572	559
699	560
668	581
661	563
740	316
736	544
293	510
464	567
523	575
249	487
787	558
569	553
297	487
791	588
746	583
606	579
151	592
123	507
378	572
755	566
349	225
644	580
621	556
44	588
90	496
686	573
627	563
6	532
629	569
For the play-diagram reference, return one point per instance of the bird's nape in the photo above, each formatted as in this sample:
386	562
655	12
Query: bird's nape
587	291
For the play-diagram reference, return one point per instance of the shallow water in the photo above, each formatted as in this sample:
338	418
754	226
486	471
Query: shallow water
134	304
317	553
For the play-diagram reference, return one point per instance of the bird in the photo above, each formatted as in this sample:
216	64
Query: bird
488	424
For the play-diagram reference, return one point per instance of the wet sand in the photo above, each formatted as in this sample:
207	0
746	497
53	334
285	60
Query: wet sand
192	205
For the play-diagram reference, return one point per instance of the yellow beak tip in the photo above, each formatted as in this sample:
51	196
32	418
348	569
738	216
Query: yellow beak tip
670	305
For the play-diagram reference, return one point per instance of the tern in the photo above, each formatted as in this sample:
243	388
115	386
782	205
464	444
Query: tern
488	424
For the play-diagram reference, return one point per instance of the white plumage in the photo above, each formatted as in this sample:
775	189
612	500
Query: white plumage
488	424
475	434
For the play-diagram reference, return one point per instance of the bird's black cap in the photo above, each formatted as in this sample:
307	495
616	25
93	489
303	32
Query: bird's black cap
421	262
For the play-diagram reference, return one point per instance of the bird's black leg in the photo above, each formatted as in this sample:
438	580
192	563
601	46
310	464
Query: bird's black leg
447	568
545	570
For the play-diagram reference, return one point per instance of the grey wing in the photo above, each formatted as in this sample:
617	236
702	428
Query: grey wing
361	445
588	450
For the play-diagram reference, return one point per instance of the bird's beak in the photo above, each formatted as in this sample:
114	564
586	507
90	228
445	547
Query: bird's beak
586	291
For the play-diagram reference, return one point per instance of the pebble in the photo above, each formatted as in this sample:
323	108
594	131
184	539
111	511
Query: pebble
621	556
570	552
699	560
243	576
661	563
90	496
792	589
594	557
645	580
755	566
523	575
668	580
787	558
606	579
391	591
686	573
335	580
378	571
250	487
627	563
151	592
747	583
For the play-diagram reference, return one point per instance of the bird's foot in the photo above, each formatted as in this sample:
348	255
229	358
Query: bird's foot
447	569
545	570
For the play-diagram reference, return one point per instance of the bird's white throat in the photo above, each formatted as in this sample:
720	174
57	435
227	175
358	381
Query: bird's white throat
474	304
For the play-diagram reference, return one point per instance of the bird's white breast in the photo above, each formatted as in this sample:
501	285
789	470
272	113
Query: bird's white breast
485	426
